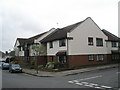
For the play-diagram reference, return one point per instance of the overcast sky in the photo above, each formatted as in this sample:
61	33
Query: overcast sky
26	18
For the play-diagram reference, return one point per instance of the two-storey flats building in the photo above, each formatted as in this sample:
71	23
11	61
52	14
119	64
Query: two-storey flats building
112	47
30	49
83	43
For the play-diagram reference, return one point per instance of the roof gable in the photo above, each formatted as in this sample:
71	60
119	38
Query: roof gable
30	40
21	41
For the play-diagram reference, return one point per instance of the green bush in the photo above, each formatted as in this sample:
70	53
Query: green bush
40	66
30	66
33	62
53	65
50	65
14	62
58	65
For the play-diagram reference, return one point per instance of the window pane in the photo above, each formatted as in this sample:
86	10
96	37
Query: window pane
51	44
90	57
99	41
58	59
51	58
62	42
114	44
100	57
62	59
90	41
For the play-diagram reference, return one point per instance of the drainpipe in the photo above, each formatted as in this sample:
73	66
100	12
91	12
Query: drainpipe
67	53
68	38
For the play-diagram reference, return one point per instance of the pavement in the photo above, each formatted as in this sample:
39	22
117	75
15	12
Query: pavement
68	72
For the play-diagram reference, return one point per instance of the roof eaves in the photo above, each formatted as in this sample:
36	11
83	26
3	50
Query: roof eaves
111	37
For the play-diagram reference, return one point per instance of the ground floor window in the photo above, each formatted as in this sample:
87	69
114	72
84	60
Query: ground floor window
90	57
51	58
100	57
25	58
62	59
115	56
34	57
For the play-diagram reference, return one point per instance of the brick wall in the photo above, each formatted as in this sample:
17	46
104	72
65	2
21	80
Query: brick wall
81	60
39	60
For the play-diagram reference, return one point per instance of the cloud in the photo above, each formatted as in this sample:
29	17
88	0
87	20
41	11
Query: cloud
16	24
26	18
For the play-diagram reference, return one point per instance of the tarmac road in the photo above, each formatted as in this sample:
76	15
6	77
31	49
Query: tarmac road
101	79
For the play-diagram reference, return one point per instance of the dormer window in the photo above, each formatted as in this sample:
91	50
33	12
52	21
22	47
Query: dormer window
62	42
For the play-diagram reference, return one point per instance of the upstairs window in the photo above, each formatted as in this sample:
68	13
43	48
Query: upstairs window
62	43
114	44
90	41
19	48
51	44
99	42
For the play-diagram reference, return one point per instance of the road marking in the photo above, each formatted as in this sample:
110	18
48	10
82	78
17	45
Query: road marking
84	82
75	81
97	87
78	80
70	82
117	72
79	83
106	87
89	78
88	85
93	84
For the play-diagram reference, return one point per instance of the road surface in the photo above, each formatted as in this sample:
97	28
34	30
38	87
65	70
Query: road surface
101	79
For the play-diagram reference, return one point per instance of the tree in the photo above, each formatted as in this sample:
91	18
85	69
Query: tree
37	51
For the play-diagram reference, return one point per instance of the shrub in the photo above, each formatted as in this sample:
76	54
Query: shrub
58	65
14	62
54	65
50	65
33	62
40	66
30	66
